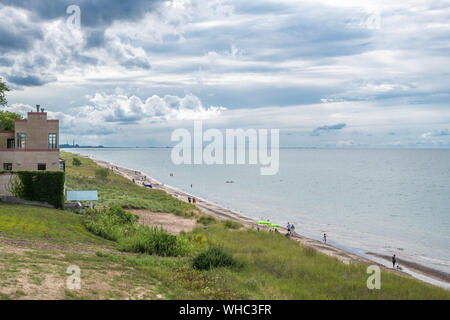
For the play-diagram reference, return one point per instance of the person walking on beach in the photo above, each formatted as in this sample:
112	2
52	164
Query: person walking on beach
325	238
189	199
289	227
292	229
394	260
194	200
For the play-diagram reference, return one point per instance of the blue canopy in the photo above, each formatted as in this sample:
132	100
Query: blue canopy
82	195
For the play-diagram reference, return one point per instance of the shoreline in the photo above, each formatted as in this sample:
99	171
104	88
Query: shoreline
412	269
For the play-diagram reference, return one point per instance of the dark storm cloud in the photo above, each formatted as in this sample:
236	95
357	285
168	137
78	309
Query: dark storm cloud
136	63
29	80
17	35
94	13
324	129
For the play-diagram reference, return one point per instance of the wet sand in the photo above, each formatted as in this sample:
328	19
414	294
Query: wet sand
436	274
222	213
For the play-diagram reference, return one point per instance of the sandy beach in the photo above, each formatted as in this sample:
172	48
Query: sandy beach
408	268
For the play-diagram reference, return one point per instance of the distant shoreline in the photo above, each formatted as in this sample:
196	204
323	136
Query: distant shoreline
416	270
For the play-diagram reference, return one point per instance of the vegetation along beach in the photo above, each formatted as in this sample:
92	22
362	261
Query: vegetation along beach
124	251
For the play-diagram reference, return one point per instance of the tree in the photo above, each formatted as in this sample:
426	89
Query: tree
3	90
6	118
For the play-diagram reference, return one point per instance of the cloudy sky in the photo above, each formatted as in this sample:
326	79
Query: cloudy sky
357	74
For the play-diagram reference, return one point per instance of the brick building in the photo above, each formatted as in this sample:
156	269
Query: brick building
33	145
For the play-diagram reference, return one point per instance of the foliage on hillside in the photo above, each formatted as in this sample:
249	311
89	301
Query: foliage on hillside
114	189
220	261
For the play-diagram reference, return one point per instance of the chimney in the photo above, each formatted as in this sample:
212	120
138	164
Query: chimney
42	109
37	107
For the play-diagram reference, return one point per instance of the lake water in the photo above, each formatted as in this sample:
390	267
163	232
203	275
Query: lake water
384	201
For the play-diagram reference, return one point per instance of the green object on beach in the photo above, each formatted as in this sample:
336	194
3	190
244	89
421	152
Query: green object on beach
269	224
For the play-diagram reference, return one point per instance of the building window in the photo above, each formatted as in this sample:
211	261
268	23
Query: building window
10	144
7	166
42	166
21	139
52	141
62	165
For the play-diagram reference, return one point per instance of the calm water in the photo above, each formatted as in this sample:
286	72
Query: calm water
384	201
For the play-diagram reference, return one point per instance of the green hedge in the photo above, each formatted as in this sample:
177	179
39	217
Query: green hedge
42	186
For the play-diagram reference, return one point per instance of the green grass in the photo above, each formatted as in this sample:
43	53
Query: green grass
278	268
119	225
266	265
230	224
270	266
117	190
43	224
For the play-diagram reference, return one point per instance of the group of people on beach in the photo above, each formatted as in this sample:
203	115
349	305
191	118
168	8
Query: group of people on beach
290	230
192	200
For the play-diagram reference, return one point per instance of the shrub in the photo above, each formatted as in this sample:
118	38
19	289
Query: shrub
153	241
76	162
230	224
206	220
106	230
102	173
199	239
116	224
43	186
213	258
107	224
120	216
111	224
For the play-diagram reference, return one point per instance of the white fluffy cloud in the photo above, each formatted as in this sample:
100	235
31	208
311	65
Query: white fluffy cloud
380	67
121	108
108	114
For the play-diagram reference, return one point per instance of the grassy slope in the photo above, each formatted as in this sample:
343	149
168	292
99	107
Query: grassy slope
272	266
119	190
37	224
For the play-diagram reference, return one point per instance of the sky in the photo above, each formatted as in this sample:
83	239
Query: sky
328	74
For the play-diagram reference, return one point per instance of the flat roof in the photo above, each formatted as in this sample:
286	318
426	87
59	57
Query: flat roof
82	195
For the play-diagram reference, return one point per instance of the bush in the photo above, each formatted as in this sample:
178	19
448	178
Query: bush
76	162
230	224
120	216
206	220
116	224
42	186
213	258
153	241
102	173
110	224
